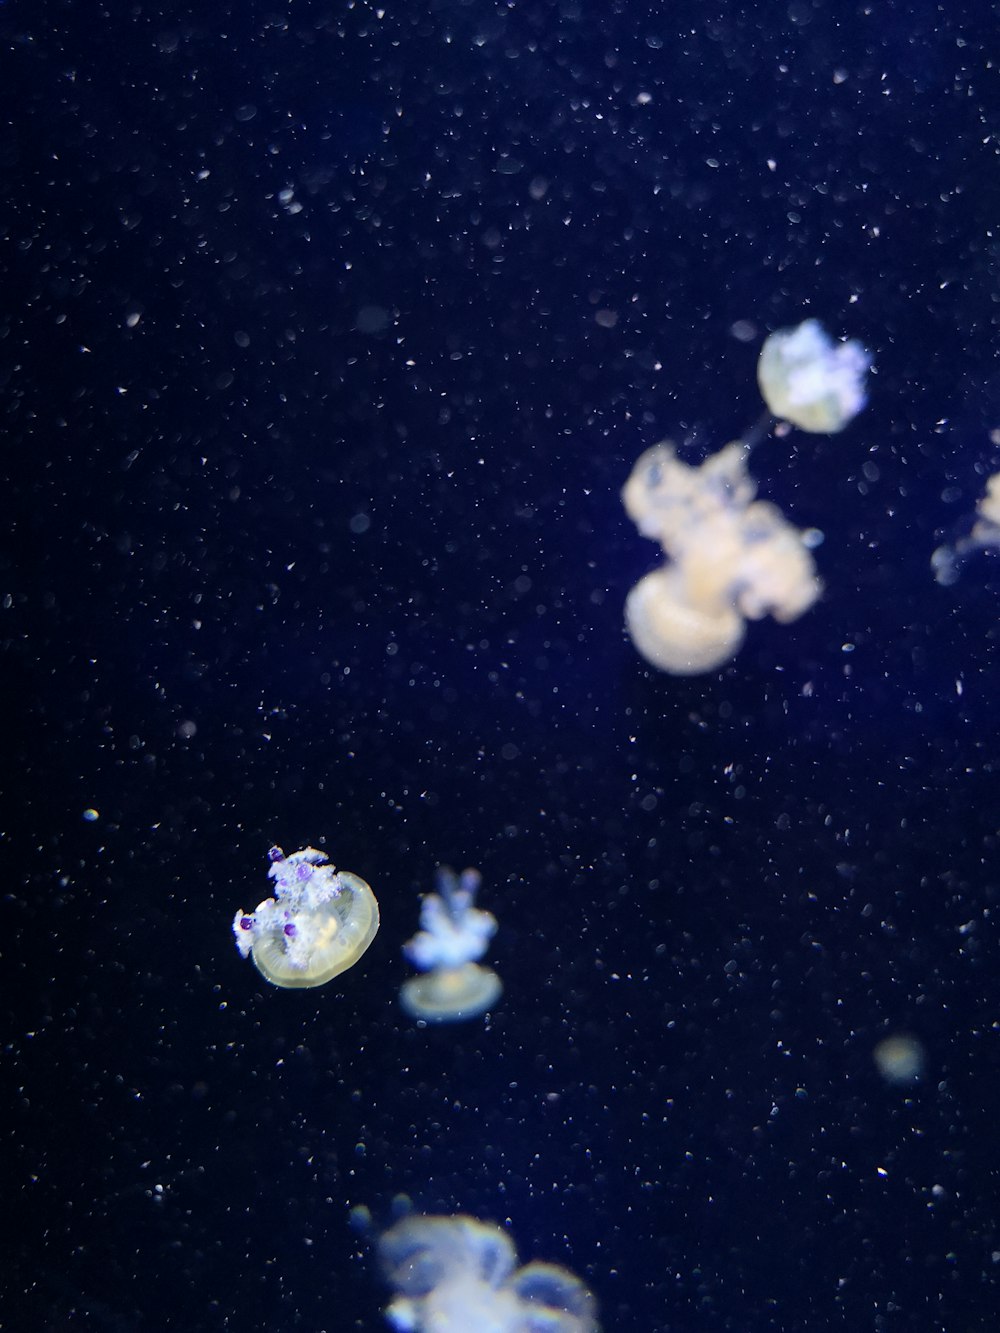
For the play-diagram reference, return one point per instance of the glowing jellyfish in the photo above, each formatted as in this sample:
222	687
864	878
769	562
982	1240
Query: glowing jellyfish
899	1059
318	924
454	1274
810	380
730	558
947	560
453	934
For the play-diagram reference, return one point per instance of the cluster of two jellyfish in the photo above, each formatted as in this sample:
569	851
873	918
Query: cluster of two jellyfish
321	920
730	557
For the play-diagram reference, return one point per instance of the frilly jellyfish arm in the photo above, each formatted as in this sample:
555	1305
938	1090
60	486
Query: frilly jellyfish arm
810	380
454	1273
318	924
452	931
947	560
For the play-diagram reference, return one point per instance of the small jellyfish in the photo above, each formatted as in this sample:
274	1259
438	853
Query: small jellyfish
318	924
455	1273
810	380
899	1059
947	560
453	934
730	558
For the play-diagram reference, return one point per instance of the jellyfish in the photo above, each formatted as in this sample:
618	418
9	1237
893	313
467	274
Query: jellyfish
810	380
455	1273
730	558
947	560
453	934
318	924
900	1059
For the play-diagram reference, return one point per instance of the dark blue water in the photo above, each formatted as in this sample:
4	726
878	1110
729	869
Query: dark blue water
328	336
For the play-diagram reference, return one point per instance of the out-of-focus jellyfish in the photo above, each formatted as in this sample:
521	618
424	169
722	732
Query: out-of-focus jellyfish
454	1274
899	1059
810	380
453	934
318	924
946	561
730	558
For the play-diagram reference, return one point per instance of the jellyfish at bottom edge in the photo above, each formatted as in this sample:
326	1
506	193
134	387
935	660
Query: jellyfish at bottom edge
453	934
318	924
452	1274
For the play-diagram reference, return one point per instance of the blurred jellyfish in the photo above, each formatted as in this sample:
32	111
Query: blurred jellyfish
453	934
899	1059
318	924
730	558
457	1275
810	380
946	561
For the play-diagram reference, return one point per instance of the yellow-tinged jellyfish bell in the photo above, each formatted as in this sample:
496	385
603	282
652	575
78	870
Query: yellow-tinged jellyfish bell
456	1275
899	1059
318	924
729	558
946	561
810	380
453	934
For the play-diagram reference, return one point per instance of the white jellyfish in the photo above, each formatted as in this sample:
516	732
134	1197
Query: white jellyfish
455	1274
453	934
318	924
810	380
729	558
947	560
900	1059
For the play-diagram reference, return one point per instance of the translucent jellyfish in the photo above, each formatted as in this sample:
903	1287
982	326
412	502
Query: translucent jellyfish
453	934
947	560
454	1274
318	924
810	380
899	1059
730	558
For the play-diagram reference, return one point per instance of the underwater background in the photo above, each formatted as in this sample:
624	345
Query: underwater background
329	334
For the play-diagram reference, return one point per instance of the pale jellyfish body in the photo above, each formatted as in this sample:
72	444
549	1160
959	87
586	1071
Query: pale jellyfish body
947	560
317	925
457	1275
810	380
454	934
900	1059
730	558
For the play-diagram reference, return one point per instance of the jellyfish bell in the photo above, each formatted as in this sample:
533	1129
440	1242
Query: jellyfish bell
675	636
337	933
900	1059
318	924
810	380
449	994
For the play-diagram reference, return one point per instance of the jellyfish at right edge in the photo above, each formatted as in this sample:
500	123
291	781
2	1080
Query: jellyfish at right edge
454	1274
729	558
810	380
453	934
947	560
